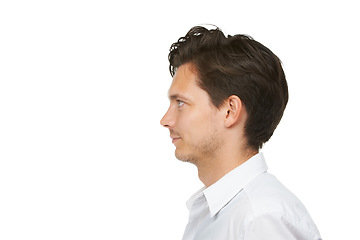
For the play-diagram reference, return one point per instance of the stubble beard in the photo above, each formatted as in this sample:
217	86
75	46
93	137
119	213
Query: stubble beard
204	151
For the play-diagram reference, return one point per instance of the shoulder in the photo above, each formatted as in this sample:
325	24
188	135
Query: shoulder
277	211
267	194
266	209
264	194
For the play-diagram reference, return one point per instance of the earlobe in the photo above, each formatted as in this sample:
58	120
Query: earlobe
233	106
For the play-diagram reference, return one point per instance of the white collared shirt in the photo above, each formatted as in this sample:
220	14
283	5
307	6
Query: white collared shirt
248	204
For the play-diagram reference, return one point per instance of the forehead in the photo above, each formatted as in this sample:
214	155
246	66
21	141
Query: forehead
185	84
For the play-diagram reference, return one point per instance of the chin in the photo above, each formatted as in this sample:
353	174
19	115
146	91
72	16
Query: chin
184	157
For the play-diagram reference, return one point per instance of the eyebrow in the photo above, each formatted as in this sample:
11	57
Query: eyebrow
177	97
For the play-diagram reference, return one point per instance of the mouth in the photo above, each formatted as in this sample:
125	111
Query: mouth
174	140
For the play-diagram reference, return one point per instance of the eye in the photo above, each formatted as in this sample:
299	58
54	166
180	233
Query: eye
180	103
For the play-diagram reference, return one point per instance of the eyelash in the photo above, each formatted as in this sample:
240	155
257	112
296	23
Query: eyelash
180	103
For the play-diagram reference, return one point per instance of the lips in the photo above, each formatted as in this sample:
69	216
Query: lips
174	140
174	135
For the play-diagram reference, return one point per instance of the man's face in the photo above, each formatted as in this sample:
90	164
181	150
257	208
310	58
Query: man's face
194	122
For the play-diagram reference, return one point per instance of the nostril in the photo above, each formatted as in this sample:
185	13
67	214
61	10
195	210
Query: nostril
165	121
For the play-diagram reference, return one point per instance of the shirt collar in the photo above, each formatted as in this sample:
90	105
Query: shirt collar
225	189
194	197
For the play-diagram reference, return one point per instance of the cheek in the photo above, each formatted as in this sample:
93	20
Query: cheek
194	126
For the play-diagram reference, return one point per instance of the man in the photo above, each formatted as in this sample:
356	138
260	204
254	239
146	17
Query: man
227	96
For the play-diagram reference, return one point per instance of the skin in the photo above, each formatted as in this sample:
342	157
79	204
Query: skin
209	137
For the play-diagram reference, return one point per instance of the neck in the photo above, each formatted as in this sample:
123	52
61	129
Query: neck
211	170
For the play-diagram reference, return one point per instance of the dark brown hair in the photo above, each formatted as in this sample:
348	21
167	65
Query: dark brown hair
236	65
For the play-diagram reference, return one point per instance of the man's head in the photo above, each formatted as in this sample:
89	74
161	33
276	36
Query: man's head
234	67
191	118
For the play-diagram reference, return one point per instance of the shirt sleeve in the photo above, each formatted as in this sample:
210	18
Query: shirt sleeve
278	226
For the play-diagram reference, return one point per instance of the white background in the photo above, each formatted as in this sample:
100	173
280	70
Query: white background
83	86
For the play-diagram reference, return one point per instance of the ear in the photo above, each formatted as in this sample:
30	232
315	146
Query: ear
234	108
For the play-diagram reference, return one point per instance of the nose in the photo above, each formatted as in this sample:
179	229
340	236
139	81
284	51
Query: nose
167	120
